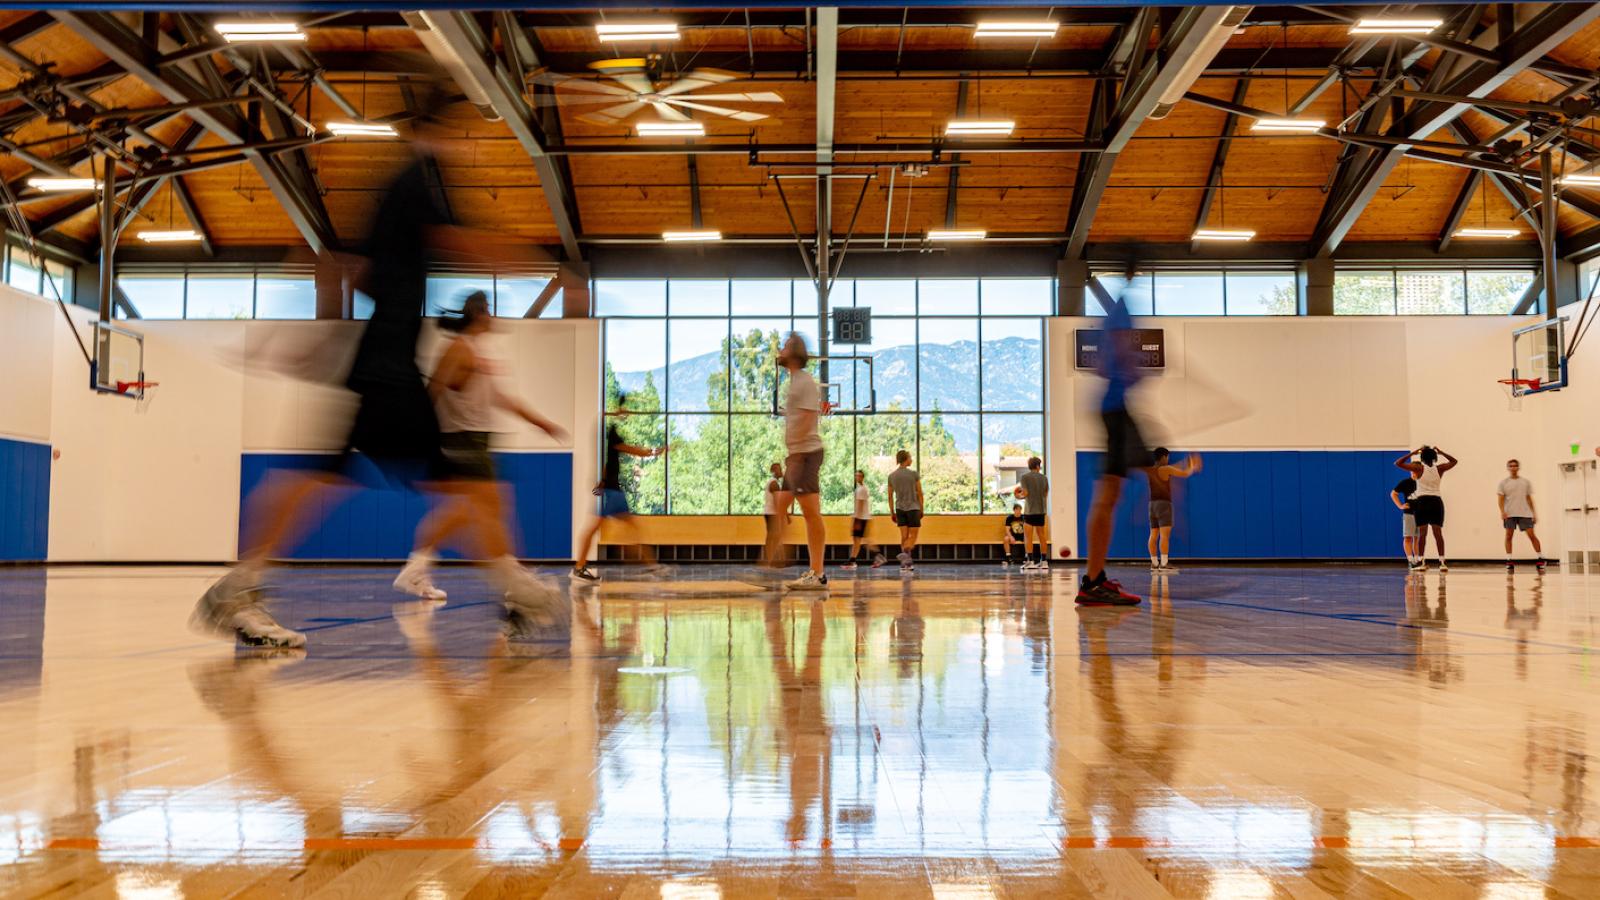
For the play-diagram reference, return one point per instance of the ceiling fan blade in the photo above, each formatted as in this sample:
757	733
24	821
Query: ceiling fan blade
579	100
637	82
739	114
695	79
554	79
613	115
668	113
754	97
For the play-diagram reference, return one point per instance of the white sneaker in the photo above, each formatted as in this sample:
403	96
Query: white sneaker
808	581
255	628
214	611
1041	566
414	579
849	566
1444	566
535	603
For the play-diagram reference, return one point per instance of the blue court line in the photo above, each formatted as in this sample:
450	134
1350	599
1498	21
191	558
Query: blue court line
1393	623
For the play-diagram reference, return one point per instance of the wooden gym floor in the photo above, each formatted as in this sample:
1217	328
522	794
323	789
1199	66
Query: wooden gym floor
1247	733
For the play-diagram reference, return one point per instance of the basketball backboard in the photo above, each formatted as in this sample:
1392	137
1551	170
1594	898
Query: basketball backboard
118	361
1539	358
847	385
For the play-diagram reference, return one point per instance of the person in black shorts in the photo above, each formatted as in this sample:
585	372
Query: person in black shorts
1125	450
395	432
1015	537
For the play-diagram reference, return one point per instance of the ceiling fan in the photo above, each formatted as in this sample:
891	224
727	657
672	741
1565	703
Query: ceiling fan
638	84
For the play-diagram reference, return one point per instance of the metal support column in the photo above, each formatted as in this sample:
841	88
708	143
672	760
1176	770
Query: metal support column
1549	236
108	236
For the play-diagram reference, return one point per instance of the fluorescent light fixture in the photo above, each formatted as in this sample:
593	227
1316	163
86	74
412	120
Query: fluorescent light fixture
1223	234
1395	26
1581	180
958	235
670	129
52	183
977	127
169	237
1037	28
1487	233
676	237
636	31
259	32
362	129
1304	126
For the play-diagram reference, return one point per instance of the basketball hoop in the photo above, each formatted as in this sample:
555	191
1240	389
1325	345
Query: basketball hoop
1515	388
142	392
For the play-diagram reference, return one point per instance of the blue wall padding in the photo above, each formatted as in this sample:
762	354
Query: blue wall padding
24	500
1284	504
378	521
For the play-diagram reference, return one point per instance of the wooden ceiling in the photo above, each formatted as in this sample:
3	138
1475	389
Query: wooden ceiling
1277	185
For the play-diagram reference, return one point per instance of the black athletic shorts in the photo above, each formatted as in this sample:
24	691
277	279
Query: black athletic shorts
1428	510
908	518
1125	446
1034	519
466	455
858	527
397	430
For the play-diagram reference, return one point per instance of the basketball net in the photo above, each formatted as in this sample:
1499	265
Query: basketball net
1513	402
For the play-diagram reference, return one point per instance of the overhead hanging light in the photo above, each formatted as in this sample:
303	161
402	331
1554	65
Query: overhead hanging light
1487	233
957	235
184	236
1581	180
1037	28
617	32
54	183
362	129
1223	234
1290	126
1383	25
259	32
670	129
979	127
678	237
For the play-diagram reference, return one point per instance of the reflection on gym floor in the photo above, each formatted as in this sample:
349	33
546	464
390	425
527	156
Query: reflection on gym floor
967	733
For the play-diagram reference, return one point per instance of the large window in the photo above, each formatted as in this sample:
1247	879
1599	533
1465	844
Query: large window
1428	292
959	380
277	293
1182	292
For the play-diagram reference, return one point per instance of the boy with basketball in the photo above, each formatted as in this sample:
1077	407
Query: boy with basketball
1517	512
1015	535
1401	497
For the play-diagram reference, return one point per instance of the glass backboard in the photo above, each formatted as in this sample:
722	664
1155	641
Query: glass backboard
1538	353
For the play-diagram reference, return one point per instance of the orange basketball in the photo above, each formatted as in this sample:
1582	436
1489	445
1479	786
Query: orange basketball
1066	552
1021	493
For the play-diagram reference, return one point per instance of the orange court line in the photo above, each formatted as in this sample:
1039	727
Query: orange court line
73	844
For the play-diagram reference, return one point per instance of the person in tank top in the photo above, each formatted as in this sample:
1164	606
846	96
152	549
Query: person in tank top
1427	504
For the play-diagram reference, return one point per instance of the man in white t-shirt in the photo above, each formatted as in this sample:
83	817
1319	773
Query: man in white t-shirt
802	471
1517	512
858	525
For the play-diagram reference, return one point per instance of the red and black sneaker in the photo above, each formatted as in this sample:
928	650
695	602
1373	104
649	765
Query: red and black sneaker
1104	592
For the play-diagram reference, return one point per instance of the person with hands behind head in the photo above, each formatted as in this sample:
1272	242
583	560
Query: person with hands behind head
1427	504
613	500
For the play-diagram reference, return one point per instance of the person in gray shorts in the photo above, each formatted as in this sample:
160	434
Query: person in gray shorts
1035	496
1161	475
1401	497
1517	512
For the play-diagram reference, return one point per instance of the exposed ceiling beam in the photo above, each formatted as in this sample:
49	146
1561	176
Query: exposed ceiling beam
124	47
1542	31
461	32
180	190
1581	247
1141	93
1220	158
1458	208
953	188
827	82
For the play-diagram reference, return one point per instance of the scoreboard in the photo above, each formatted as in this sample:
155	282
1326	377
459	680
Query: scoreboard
1148	344
852	325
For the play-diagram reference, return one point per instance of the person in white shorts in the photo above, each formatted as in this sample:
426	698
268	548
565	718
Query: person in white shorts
858	525
1401	497
803	408
1517	512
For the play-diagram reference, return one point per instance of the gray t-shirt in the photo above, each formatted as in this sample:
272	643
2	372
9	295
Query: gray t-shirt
904	480
1517	491
1038	488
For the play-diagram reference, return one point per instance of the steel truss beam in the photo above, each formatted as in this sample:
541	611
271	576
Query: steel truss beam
467	40
1147	79
125	48
1468	78
1220	158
